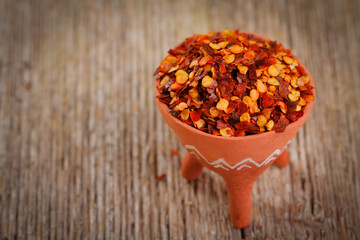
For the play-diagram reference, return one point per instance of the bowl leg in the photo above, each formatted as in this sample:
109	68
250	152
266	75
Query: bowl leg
190	167
240	202
282	160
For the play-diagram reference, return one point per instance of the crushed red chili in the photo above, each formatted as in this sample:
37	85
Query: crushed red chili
232	84
160	177
174	152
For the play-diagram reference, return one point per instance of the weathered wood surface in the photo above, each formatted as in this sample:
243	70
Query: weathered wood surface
81	141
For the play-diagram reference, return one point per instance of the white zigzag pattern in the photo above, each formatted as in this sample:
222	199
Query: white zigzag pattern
221	163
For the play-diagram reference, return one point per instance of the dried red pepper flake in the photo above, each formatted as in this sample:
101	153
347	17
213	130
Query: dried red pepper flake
281	124
295	115
252	72
195	116
267	100
222	67
220	124
253	128
248	76
284	89
240	88
242	108
160	177
242	126
174	152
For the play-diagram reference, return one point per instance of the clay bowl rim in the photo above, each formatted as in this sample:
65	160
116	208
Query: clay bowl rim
165	109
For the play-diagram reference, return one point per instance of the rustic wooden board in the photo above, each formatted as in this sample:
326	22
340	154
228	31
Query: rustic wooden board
81	141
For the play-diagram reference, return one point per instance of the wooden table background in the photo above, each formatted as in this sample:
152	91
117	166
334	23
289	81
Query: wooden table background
81	141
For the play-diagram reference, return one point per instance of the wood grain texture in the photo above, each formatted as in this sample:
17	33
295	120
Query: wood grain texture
81	141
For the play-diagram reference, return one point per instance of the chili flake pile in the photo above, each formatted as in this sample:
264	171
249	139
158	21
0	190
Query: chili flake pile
231	84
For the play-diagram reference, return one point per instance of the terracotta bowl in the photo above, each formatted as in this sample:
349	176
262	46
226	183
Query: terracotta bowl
238	160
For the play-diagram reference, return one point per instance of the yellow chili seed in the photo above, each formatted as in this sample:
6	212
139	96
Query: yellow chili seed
213	71
258	73
211	32
193	93
197	101
267	113
224	52
302	102
172	94
272	88
236	49
191	75
306	79
234	98
293	82
242	69
298	108
229	58
245	117
223	44
261	121
207	67
228	33
218	46
300	82
194	84
175	86
273	81
262	129
254	95
173	69
264	79
217	91
214	112
261	87
279	65
185	114
292	97
207	81
295	93
287	78
174	99
309	98
171	59
182	106
194	63
222	104
165	79
181	76
270	125
254	109
288	60
282	106
247	100
199	124
273	71
176	108
224	132
214	46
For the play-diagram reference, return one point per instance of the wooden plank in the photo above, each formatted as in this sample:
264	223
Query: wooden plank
81	144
